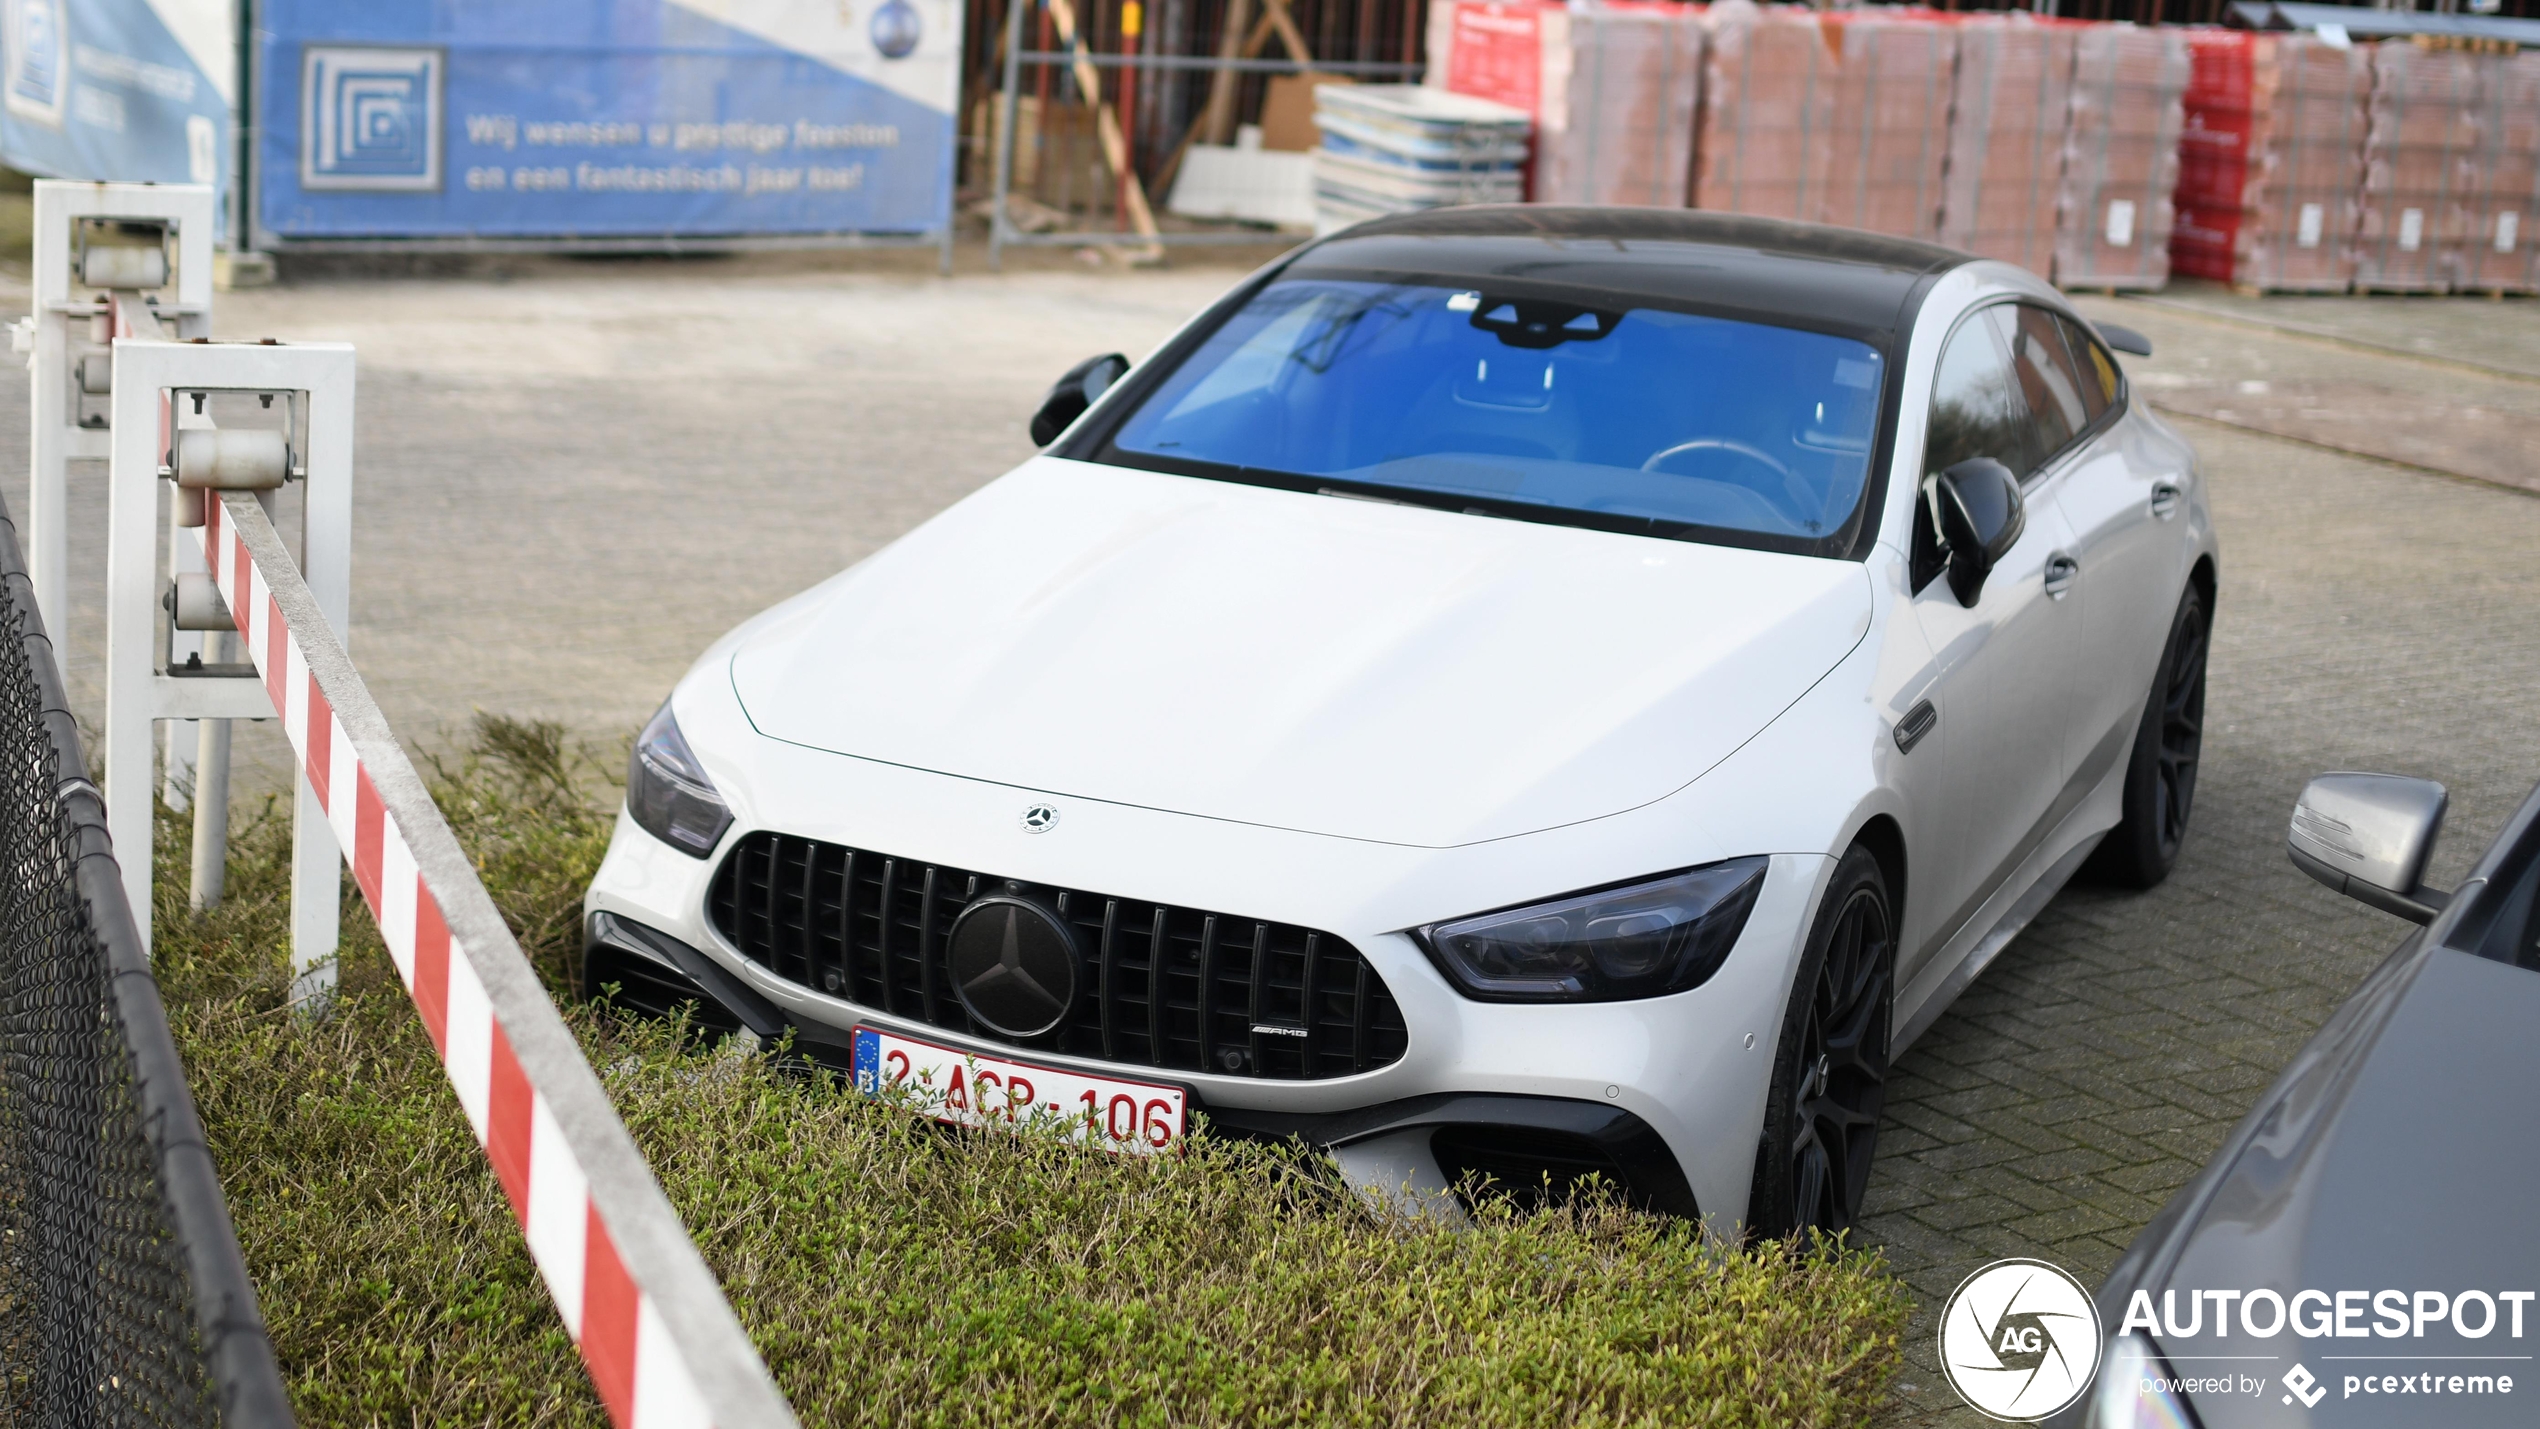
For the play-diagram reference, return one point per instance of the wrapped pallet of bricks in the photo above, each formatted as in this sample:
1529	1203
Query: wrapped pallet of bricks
2271	160
1611	85
1768	95
2501	253
2420	168
2113	220
2213	154
2013	96
1889	142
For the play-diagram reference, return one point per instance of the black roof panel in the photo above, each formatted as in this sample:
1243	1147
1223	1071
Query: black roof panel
1803	274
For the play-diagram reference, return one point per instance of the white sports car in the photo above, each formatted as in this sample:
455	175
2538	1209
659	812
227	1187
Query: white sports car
1506	694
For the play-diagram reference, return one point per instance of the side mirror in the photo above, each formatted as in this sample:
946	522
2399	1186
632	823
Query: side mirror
1977	510
2368	836
2124	339
1073	393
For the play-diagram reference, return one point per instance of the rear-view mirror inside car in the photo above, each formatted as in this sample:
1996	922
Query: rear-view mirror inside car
2368	836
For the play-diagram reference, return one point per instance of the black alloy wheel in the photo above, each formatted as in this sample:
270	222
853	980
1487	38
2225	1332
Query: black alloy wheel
2160	787
1821	1126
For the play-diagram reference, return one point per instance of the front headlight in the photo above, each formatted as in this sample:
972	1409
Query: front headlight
1637	940
2137	1389
668	792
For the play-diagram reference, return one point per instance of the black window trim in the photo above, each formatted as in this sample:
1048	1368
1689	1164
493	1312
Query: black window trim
1853	541
2059	458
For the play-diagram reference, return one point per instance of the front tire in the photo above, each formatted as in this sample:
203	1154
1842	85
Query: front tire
1830	1068
2160	778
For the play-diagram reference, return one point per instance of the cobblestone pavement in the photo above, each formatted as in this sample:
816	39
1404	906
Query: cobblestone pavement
572	476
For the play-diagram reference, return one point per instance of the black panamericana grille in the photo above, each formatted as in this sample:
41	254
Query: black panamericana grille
1177	989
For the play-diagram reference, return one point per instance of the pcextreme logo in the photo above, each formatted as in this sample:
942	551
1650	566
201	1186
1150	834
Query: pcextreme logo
2019	1340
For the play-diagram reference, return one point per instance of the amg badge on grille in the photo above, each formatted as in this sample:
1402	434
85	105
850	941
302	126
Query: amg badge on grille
1014	965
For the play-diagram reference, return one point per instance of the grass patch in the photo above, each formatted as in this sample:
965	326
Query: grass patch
894	1273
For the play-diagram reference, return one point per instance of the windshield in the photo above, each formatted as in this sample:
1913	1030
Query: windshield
1635	415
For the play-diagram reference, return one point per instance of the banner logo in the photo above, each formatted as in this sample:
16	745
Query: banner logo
370	118
38	43
2019	1340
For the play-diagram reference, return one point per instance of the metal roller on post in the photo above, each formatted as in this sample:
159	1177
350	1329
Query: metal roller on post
169	456
115	259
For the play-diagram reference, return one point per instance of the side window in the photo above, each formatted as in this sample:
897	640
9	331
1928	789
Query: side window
2098	369
1975	407
2047	377
1975	411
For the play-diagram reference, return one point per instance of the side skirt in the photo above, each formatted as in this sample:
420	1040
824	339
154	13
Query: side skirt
1939	984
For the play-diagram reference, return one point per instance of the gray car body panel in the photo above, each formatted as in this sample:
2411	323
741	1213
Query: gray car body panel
2398	1151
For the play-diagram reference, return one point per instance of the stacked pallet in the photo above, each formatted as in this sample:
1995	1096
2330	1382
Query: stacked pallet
2115	212
2501	253
2271	161
1889	146
1611	85
2011	97
1768	99
1396	148
2420	168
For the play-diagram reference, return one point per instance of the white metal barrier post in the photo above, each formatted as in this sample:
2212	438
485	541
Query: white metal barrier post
93	240
309	388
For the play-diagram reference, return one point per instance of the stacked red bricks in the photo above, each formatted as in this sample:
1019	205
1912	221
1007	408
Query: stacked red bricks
1889	148
2101	155
2271	161
2112	227
2420	168
2011	93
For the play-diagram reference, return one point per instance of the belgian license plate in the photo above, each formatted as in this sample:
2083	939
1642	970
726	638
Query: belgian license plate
967	1089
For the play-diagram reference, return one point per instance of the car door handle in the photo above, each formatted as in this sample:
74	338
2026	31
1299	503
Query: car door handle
2060	570
2165	500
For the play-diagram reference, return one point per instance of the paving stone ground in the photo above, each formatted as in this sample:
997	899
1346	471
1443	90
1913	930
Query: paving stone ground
572	476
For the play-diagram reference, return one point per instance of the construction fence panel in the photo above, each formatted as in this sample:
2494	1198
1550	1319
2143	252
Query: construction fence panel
124	1299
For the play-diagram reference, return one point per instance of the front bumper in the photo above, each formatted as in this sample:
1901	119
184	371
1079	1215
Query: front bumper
1526	1145
1690	1069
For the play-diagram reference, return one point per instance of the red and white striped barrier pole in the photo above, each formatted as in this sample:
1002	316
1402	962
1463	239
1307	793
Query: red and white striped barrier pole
662	1345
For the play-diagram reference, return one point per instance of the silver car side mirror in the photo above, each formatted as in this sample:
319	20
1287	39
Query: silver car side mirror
2368	836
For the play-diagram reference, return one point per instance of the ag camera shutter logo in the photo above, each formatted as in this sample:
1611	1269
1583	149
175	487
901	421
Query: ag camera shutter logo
370	118
2019	1340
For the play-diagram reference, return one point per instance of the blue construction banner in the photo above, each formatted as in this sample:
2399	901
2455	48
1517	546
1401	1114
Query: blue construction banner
573	119
124	90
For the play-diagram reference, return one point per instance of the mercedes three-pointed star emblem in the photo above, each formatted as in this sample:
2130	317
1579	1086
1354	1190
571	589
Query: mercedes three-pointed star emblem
1013	964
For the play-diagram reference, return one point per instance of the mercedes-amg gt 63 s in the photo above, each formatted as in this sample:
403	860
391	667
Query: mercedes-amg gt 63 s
1506	694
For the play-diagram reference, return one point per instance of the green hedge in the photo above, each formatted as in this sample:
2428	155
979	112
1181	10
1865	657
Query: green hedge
895	1273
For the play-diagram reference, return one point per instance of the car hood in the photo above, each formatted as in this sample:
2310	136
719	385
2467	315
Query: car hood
1315	663
2404	1159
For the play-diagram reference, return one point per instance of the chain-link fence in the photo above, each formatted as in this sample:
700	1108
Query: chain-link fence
123	1297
